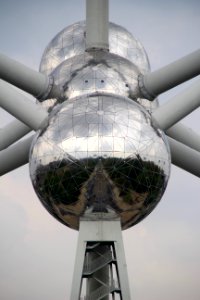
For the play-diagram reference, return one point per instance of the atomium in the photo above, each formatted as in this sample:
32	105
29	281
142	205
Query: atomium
99	161
99	153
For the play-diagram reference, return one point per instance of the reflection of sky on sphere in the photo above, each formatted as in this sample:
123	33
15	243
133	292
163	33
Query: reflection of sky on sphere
82	118
70	42
83	72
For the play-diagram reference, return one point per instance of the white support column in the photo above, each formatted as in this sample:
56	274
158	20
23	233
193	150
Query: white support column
78	268
164	79
185	135
97	24
100	230
100	277
21	107
184	157
177	108
15	156
31	81
12	133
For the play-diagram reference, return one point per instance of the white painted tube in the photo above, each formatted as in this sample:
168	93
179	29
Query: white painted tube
162	80
15	156
177	108
31	81
12	133
21	107
97	24
184	157
185	135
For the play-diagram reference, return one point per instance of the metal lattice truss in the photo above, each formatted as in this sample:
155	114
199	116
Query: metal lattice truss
184	143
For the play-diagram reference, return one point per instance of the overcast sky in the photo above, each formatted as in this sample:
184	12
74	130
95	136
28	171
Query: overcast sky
37	253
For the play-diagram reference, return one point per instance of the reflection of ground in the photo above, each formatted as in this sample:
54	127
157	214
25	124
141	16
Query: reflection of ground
128	211
131	188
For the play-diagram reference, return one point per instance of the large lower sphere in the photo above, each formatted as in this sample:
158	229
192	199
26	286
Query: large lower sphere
99	154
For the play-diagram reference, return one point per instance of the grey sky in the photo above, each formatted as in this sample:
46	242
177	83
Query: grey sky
163	252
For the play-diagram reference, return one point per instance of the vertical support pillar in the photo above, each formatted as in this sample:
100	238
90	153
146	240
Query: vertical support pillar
96	268
97	24
100	261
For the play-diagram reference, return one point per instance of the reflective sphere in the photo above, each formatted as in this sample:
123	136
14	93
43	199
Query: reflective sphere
99	153
71	42
99	71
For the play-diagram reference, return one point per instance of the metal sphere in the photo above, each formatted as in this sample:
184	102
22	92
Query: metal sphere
71	42
98	71
99	153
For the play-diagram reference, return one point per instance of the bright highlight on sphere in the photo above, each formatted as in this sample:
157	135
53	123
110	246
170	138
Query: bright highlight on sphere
99	153
102	72
71	41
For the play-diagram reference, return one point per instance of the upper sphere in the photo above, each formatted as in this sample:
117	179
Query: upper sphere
71	42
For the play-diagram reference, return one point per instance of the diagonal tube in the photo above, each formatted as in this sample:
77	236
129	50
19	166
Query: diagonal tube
162	80
21	107
12	133
30	81
177	108
184	157
15	156
185	135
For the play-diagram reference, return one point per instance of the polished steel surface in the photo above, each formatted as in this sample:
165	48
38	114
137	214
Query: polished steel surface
71	42
99	153
98	71
79	72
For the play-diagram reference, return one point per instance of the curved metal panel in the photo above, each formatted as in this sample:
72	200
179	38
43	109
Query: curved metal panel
98	71
71	42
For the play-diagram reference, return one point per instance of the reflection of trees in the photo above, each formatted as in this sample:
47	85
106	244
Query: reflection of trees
62	180
136	175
